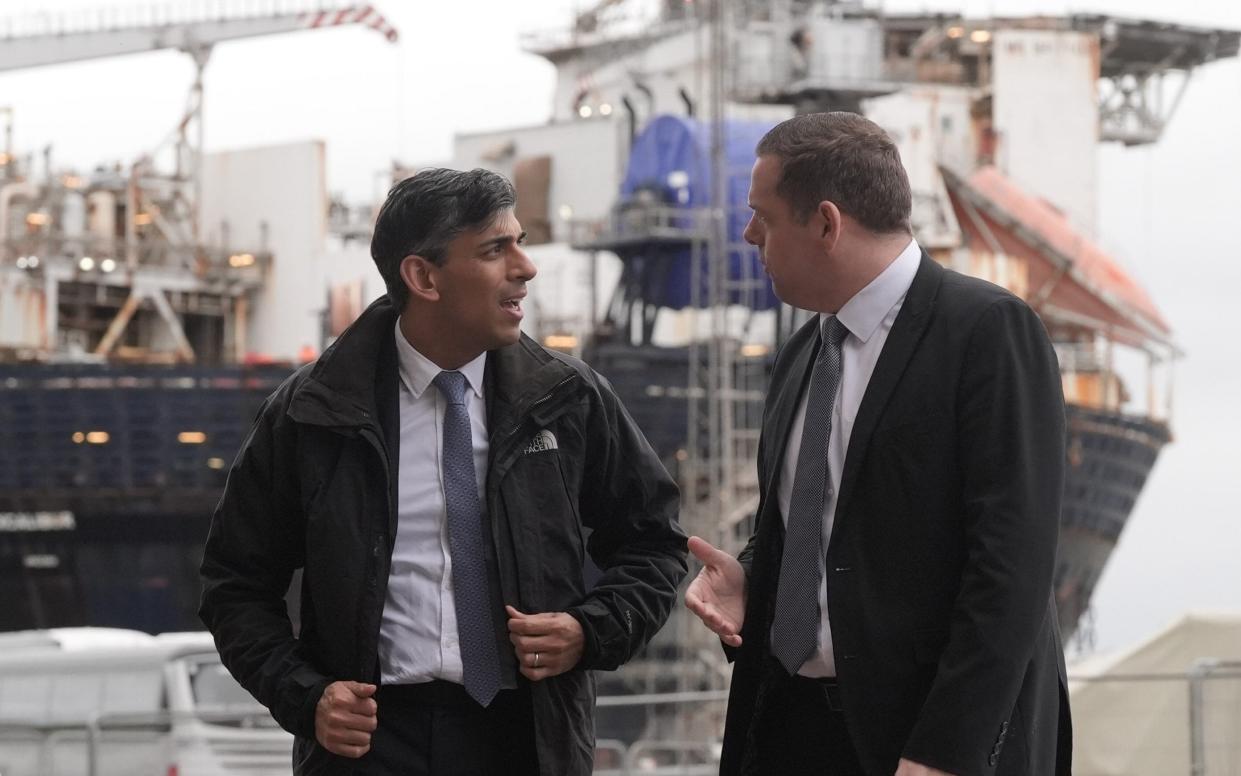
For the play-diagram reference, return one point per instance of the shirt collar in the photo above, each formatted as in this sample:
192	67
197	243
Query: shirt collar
862	314
417	371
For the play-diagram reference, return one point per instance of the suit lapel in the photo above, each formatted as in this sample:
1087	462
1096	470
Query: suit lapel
902	340
803	347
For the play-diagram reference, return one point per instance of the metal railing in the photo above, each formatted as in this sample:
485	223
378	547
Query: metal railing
614	758
1197	721
1215	718
203	261
93	732
641	223
696	756
1211	735
1078	357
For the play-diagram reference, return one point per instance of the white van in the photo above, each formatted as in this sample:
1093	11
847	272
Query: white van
108	702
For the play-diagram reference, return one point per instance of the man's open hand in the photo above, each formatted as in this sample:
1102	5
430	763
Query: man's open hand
717	594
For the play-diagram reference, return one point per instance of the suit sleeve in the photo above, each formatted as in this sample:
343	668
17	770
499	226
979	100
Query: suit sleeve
254	545
785	355
630	502
1010	447
746	556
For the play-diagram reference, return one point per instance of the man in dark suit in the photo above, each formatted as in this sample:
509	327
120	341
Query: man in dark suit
892	612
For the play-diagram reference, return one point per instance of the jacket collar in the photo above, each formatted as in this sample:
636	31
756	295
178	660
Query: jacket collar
341	389
518	376
418	372
863	314
903	339
802	348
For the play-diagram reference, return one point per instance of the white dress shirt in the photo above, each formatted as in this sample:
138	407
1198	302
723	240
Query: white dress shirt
418	633
868	316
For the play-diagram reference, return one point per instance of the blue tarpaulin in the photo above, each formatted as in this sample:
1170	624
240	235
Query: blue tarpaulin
671	162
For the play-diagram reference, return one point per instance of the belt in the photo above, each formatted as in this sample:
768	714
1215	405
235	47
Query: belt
436	692
828	686
445	694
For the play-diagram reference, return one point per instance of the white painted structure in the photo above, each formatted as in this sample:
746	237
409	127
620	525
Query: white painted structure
588	160
931	126
276	196
1046	117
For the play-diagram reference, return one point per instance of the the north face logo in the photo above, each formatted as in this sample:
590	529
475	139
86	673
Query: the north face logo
544	440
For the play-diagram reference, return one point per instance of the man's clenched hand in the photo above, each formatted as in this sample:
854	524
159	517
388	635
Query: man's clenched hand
345	717
545	644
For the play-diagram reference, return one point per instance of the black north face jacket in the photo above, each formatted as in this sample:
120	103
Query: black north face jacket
315	485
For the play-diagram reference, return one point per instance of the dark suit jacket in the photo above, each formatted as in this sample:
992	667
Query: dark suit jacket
939	567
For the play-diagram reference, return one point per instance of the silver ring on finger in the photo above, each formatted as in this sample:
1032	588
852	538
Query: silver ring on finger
536	659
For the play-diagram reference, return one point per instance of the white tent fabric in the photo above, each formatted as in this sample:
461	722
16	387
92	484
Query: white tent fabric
1131	711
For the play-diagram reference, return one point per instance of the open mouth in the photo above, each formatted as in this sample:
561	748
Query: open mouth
512	305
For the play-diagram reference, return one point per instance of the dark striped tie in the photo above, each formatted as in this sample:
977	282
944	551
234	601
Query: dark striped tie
795	630
479	658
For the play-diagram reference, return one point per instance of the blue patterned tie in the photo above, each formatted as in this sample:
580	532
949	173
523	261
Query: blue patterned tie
795	630
476	635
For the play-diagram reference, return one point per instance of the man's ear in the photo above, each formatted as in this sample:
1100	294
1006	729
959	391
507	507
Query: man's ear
830	221
419	277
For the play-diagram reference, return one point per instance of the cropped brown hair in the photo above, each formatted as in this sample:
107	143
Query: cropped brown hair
843	158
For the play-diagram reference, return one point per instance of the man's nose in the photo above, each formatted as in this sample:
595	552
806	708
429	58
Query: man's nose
523	268
750	234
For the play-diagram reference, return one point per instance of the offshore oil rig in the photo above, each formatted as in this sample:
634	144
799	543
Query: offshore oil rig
146	309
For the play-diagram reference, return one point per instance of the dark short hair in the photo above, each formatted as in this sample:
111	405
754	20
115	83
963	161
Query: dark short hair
843	158
426	211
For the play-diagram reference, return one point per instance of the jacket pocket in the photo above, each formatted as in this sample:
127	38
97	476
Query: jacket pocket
564	722
546	532
310	759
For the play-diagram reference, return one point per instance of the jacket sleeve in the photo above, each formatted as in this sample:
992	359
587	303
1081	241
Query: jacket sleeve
254	545
630	502
1010	448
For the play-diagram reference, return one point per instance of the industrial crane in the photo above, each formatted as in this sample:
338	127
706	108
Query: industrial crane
157	27
163	204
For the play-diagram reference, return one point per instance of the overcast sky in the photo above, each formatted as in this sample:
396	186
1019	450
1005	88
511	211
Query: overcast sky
1168	212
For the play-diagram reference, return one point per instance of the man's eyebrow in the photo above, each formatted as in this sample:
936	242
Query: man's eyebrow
501	240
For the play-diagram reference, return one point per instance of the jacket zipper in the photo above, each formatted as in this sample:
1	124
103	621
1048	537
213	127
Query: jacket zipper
367	657
505	443
530	410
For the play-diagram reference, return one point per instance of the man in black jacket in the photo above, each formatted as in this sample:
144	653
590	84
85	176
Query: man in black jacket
440	479
892	612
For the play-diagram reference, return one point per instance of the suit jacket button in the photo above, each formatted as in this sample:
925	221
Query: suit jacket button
992	760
